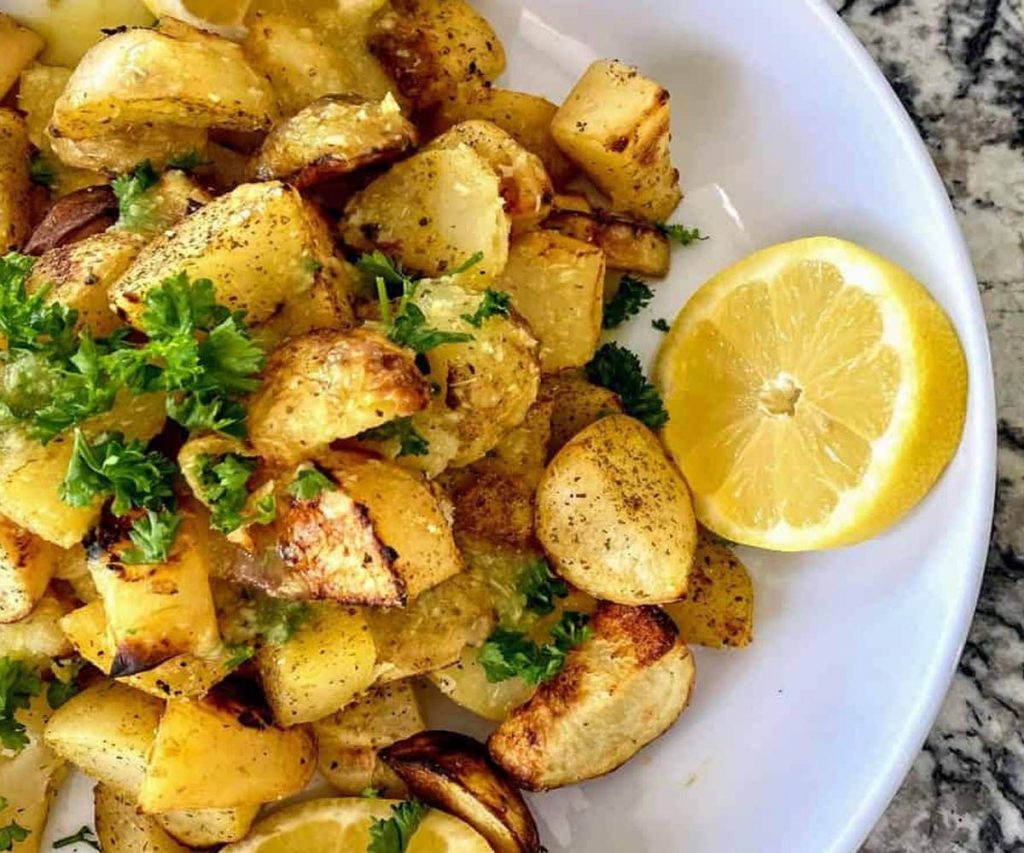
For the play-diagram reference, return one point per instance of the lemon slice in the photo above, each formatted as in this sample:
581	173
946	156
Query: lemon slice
815	393
224	17
343	825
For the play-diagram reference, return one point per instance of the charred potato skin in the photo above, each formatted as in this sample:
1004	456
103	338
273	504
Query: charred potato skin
634	658
455	773
15	182
81	214
628	244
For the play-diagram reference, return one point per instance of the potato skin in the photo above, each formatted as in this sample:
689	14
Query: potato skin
615	516
120	826
628	244
618	691
122	149
83	213
330	385
15	183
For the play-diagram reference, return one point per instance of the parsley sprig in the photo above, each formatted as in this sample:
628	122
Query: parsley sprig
495	303
309	484
410	442
12	832
18	684
540	587
188	161
152	537
30	321
393	834
135	203
224	483
84	836
680	233
619	370
632	297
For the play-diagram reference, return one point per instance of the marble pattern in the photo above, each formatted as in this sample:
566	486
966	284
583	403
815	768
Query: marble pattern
958	66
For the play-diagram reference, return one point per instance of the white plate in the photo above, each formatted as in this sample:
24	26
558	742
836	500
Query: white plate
783	128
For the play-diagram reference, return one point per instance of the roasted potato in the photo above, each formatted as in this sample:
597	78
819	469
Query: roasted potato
455	773
431	47
618	691
576	404
15	183
330	385
221	752
526	118
154	612
31	473
122	149
21	45
718	607
196	81
268	252
74	217
321	668
324	54
465	682
208	827
106	731
38	637
335	136
615	516
121	827
181	677
175	196
26	566
557	284
615	126
493	505
524	184
434	212
79	276
348	741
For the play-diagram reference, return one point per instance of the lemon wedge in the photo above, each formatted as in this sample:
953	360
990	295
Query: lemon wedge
342	825
224	17
815	393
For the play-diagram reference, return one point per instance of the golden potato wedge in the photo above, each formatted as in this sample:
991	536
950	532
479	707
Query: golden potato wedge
615	126
106	732
718	607
326	663
26	566
577	403
154	612
21	46
557	284
335	136
221	752
208	827
329	385
80	275
618	691
524	183
38	637
31	473
494	505
268	252
628	244
348	741
465	683
615	516
455	773
431	47
15	183
197	81
122	149
434	212
121	827
76	216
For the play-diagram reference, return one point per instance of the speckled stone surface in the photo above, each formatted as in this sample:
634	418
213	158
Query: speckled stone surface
958	66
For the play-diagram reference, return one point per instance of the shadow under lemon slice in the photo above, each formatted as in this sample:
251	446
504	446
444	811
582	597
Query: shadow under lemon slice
815	393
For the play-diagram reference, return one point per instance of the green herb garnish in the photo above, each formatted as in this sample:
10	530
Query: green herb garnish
134	201
41	171
511	654
239	654
410	442
277	619
12	832
18	684
224	485
495	303
188	161
680	233
64	685
631	298
392	835
84	836
540	587
30	322
152	537
619	370
661	324
309	483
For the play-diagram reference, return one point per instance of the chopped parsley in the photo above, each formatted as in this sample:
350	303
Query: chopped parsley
410	329
661	324
393	834
309	483
41	171
12	833
224	485
467	264
65	685
239	653
30	322
84	836
369	793
680	233
540	587
410	442
631	298
188	161
18	684
510	654
278	619
152	537
619	370
135	203
494	304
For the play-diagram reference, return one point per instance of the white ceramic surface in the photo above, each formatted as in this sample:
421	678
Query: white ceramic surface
783	128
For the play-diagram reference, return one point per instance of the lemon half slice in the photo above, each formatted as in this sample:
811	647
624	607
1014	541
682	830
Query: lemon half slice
815	393
343	825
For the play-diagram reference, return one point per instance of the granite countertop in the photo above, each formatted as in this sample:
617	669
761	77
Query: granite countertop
958	66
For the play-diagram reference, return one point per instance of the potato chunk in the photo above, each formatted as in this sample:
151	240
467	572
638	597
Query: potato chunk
26	566
21	45
208	827
120	826
330	385
38	637
433	212
615	126
268	252
615	515
576	404
15	184
619	690
557	284
122	149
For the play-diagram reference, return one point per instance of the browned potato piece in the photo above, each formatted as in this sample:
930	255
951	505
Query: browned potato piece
434	212
527	118
557	284
208	827
183	78
431	47
38	637
15	184
348	741
628	244
718	608
615	126
615	516
330	385
577	403
525	184
333	137
619	690
26	566
80	276
455	773
494	505
268	252
121	827
76	216
221	752
20	47
124	148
